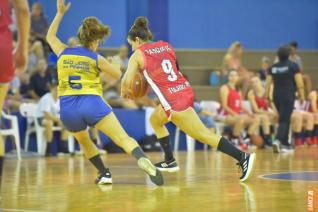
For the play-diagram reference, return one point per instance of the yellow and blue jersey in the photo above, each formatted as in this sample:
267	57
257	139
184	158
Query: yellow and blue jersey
78	72
80	89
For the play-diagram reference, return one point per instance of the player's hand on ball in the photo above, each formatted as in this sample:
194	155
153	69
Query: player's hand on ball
125	93
61	7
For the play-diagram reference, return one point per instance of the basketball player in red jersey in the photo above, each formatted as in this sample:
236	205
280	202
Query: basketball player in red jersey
157	61
18	60
235	113
264	109
313	108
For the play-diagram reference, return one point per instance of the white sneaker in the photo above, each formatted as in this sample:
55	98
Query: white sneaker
154	174
104	179
276	146
287	149
247	165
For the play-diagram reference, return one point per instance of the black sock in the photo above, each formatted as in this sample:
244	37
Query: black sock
98	163
138	153
49	148
226	147
267	139
1	168
316	130
65	146
308	133
166	147
94	141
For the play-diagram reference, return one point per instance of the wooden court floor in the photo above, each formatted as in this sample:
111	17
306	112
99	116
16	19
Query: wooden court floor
207	181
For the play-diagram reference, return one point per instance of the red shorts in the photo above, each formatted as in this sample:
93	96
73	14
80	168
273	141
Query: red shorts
6	57
180	102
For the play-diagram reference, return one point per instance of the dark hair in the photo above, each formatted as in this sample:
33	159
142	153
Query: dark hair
283	52
294	44
91	30
140	29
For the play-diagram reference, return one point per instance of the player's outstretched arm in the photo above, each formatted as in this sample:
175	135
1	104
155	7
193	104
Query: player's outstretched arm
109	68
23	24
55	43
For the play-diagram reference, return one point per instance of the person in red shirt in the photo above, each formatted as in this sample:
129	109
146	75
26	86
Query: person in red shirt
265	110
16	62
235	113
157	61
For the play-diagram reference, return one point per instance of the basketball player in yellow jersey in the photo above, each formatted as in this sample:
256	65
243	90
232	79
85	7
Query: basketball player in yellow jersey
80	91
158	63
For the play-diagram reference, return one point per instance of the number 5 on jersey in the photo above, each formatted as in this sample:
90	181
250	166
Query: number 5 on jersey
73	84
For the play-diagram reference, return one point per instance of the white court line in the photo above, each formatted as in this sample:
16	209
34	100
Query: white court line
20	210
265	176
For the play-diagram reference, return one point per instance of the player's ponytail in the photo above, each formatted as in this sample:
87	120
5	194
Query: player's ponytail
91	30
140	29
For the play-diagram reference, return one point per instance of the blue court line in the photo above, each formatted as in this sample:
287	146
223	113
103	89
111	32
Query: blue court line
310	176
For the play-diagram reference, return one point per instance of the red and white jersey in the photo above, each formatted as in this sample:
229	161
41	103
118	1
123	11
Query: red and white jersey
162	73
233	101
298	106
261	102
5	14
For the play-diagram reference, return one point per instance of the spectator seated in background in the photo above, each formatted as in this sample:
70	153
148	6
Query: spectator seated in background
206	116
36	52
262	108
301	120
297	59
112	95
47	113
24	85
265	66
39	26
233	61
15	98
122	58
313	108
234	113
39	81
39	23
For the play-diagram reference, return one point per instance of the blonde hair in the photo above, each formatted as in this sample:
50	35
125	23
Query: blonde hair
233	47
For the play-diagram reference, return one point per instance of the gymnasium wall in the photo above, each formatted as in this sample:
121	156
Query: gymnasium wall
258	24
186	24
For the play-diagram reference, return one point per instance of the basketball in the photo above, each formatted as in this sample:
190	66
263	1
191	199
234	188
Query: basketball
257	140
138	86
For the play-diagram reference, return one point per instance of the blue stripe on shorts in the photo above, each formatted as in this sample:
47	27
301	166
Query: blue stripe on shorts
80	111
